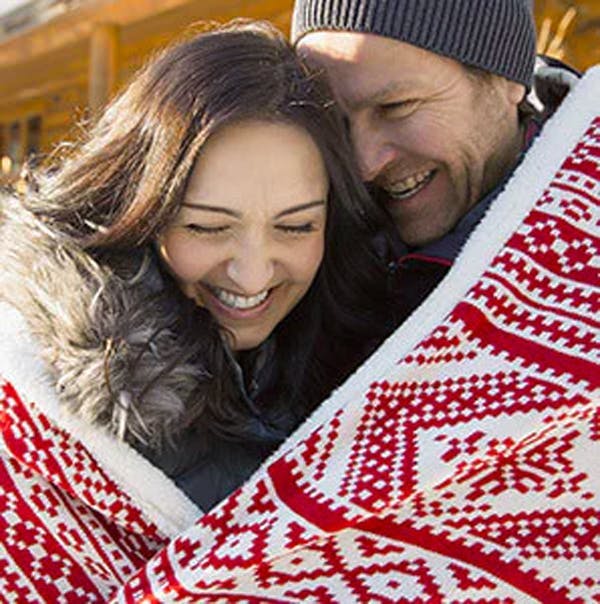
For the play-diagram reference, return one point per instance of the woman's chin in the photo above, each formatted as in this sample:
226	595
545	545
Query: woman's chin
242	340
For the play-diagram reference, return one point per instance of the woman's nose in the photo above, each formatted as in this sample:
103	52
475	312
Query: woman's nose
251	269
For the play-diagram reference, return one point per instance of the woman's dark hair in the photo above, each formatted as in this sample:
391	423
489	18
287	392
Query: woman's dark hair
125	182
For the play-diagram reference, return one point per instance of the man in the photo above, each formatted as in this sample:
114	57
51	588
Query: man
434	92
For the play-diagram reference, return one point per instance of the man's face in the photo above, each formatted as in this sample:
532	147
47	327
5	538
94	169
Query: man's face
432	136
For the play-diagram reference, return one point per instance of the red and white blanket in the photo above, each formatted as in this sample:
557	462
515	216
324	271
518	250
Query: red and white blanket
461	463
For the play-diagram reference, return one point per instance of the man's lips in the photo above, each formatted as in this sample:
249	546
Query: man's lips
409	187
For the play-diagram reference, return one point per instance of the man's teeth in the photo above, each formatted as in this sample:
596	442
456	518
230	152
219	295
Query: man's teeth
238	301
409	186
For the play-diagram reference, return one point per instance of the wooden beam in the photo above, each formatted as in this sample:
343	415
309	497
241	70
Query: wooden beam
78	23
104	64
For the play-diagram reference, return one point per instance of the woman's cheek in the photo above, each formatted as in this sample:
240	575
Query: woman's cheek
312	257
184	257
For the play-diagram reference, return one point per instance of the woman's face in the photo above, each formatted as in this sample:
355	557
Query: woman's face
249	237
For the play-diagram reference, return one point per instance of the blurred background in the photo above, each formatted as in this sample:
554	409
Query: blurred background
61	60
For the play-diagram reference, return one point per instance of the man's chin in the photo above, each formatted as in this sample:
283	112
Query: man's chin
418	234
417	241
422	219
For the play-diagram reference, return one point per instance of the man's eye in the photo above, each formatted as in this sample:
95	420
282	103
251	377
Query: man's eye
307	227
399	107
205	230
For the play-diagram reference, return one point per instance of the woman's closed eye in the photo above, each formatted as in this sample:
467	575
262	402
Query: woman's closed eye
297	229
201	229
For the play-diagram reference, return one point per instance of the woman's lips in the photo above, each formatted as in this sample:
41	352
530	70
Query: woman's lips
236	306
238	301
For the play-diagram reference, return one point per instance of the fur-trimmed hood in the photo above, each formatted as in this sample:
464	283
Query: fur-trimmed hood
94	326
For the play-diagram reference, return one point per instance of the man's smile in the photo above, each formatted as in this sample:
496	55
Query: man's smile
409	186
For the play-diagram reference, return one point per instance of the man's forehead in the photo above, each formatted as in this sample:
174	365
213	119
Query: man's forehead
345	46
364	69
336	45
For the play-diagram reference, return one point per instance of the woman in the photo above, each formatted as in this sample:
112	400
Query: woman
197	274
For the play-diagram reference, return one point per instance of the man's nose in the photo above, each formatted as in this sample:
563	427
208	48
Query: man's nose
251	268
374	150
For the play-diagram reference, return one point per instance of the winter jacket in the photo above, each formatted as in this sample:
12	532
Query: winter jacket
209	478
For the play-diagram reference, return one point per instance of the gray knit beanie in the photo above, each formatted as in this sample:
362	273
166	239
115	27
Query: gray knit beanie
497	36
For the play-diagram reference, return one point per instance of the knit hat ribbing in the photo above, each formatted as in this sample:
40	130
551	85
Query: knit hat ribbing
497	36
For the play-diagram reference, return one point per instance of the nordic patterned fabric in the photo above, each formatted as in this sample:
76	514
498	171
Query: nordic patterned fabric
461	463
67	532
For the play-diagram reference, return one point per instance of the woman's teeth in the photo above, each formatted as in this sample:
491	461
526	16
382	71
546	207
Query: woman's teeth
409	186
238	301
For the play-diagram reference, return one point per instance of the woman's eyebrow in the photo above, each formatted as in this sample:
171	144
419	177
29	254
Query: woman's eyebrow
229	212
208	208
300	208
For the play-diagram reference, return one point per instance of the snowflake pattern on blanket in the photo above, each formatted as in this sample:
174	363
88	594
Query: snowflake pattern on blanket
464	469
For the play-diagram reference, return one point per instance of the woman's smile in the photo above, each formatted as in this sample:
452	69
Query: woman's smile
227	305
238	301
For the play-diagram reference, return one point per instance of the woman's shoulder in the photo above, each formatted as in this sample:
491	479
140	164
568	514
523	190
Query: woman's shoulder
33	417
101	335
28	247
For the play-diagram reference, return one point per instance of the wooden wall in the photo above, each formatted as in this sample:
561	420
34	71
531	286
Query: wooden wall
53	73
49	75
